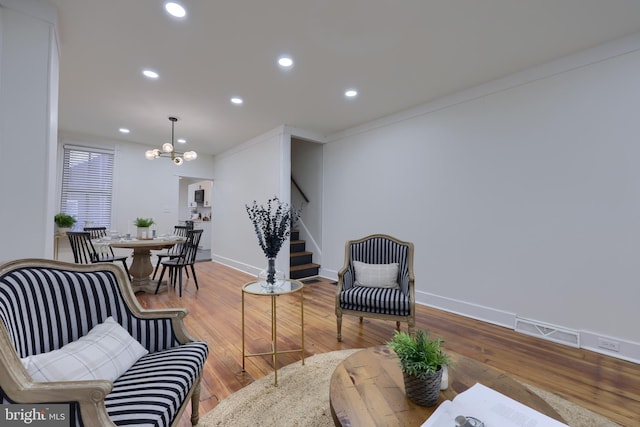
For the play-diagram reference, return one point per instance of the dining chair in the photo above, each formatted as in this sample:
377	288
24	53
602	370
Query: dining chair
85	253
99	233
186	259
176	250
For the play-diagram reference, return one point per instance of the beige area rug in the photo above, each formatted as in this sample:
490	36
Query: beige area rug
302	399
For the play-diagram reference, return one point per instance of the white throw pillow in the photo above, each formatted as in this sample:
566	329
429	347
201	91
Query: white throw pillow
376	275
105	353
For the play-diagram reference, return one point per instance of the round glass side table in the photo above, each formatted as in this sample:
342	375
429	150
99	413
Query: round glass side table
289	286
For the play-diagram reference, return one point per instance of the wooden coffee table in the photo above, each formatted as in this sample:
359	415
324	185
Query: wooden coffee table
367	389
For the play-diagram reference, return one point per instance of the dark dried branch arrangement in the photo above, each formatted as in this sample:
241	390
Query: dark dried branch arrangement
272	224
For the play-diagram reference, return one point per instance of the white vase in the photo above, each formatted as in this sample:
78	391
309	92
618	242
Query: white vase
143	233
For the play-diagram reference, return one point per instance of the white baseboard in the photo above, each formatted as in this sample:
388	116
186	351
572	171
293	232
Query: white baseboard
629	351
245	268
626	350
474	311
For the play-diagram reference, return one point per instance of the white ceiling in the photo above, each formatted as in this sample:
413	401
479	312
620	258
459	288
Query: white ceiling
398	54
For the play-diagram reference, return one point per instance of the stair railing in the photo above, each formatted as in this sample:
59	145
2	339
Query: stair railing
295	184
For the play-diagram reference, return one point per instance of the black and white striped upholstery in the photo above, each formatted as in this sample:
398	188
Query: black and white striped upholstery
159	383
385	303
376	300
45	307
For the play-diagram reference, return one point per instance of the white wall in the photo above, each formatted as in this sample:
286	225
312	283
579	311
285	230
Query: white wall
258	170
28	122
522	198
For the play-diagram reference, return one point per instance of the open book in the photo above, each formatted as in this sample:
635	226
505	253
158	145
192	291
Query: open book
494	409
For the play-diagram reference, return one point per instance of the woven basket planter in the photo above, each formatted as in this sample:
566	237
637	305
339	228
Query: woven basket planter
423	391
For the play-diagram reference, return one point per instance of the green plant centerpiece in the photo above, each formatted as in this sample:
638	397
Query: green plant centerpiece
64	221
143	225
422	361
272	224
143	222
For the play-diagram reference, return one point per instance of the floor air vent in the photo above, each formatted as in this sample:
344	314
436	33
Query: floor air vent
548	332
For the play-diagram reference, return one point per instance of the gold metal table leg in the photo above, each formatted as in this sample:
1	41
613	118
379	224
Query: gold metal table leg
302	320
274	339
243	353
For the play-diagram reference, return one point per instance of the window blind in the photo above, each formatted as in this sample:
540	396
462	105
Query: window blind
87	185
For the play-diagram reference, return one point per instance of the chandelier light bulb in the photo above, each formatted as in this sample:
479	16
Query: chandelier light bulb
150	154
177	161
190	155
167	147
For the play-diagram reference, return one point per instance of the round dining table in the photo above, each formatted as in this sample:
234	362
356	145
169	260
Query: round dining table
141	267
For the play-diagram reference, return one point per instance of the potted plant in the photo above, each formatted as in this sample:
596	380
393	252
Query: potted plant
64	222
422	361
143	225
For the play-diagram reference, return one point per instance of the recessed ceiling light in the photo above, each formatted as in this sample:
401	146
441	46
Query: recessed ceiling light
236	100
150	74
351	93
175	9
285	62
124	130
181	140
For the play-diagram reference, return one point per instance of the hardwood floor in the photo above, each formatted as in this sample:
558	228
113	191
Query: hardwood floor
605	385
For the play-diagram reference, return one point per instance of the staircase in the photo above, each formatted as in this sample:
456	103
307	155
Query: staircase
300	260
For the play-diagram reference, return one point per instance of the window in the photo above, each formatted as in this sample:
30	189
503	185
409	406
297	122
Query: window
87	183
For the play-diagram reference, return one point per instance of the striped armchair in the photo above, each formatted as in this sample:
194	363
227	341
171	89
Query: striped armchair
45	305
385	288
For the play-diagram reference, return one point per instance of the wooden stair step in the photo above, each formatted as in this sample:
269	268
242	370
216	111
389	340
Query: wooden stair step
297	245
304	267
304	271
300	258
300	253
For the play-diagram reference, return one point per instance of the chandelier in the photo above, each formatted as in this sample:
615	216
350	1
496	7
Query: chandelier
168	150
